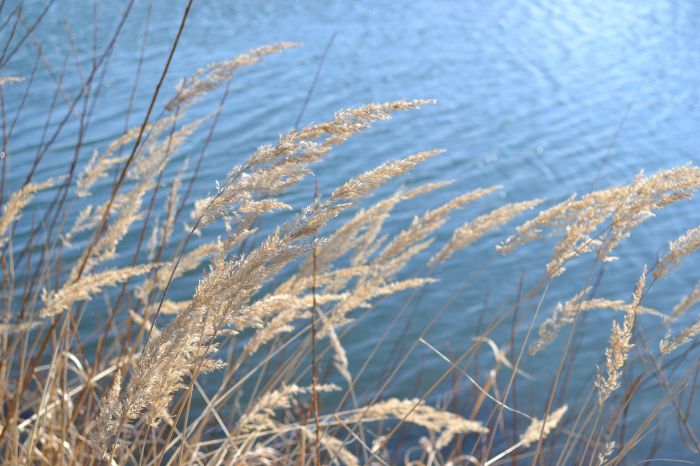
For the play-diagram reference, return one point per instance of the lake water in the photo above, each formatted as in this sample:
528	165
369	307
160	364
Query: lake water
539	96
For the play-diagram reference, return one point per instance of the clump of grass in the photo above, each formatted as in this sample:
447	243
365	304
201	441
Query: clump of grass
623	207
620	346
12	210
101	363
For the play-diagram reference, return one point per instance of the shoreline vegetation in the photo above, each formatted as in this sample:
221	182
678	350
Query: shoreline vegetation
266	322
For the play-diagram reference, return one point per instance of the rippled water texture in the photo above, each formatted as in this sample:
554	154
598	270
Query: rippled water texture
544	97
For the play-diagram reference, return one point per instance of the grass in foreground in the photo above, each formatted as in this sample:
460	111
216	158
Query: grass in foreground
269	314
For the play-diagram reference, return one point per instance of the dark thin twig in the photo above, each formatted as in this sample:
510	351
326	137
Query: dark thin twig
7	57
315	81
614	139
314	363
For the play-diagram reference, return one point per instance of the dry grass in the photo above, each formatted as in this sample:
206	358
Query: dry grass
134	391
